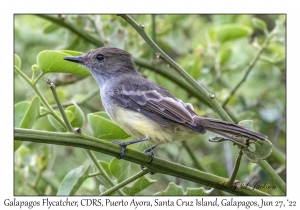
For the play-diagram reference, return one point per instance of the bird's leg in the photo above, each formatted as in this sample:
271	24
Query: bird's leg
123	145
150	153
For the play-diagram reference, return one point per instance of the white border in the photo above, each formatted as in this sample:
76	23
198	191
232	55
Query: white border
153	6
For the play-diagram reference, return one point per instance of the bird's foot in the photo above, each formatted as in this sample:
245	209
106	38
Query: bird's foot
150	153
123	146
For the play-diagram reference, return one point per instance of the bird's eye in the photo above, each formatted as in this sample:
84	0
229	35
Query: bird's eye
100	57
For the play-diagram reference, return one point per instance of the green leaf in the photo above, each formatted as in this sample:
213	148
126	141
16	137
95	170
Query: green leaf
26	115
89	184
173	189
69	115
17	61
252	148
247	124
258	150
120	169
34	68
55	123
52	61
73	180
19	112
71	52
196	70
44	124
224	54
212	34
198	191
138	185
17	144
233	31
105	167
78	116
50	28
260	24
32	113
103	128
23	151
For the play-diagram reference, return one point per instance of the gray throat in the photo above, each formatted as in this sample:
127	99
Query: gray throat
100	78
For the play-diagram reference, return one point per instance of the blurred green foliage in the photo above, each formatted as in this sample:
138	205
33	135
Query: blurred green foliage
213	49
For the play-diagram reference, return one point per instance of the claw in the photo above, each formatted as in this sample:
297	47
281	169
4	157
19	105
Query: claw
150	153
123	146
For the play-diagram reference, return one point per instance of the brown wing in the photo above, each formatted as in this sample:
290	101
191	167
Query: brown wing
156	103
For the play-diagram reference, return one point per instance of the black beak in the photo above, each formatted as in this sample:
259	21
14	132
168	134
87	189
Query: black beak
74	59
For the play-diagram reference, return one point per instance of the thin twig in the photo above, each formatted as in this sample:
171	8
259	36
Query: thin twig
192	155
102	171
38	176
95	174
72	28
249	68
153	31
235	169
61	109
84	100
98	27
38	78
127	181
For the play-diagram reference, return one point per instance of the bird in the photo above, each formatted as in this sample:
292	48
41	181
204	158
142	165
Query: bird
145	110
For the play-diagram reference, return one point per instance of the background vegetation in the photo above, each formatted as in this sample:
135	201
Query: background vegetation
218	51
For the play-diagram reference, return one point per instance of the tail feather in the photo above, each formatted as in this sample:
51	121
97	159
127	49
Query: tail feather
227	129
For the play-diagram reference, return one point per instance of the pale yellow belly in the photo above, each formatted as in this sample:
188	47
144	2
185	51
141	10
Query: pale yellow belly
140	126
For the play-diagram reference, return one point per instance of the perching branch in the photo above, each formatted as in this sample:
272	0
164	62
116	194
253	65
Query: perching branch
157	166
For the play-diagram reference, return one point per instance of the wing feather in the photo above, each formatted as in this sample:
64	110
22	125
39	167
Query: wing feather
155	102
